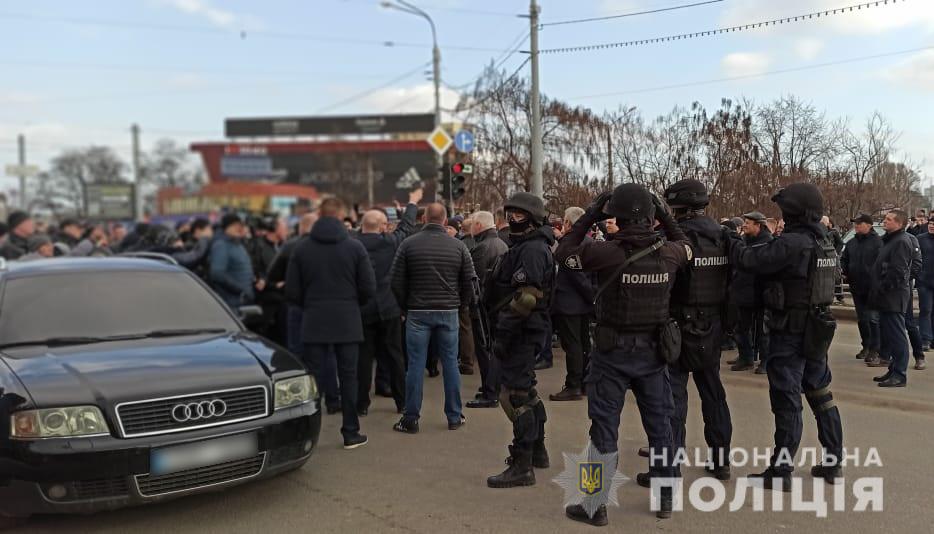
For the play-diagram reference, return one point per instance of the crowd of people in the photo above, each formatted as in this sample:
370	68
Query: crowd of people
401	291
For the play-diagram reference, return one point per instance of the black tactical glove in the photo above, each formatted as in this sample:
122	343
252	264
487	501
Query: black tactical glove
661	209
595	213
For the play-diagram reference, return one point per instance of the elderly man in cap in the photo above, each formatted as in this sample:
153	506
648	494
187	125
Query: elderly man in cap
231	273
21	226
859	255
751	335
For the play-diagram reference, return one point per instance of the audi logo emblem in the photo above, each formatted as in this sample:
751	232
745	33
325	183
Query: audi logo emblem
196	411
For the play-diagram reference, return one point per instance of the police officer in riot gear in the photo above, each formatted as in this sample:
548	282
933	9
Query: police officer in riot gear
633	340
798	268
517	295
698	302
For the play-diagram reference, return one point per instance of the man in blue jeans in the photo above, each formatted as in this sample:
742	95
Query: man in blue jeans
432	278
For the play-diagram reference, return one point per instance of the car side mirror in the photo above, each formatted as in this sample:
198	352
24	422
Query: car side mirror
249	312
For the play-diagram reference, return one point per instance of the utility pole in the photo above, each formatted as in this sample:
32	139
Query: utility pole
137	175
609	156
369	180
436	63
538	188
21	143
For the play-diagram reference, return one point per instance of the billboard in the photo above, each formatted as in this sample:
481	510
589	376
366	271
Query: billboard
337	125
110	201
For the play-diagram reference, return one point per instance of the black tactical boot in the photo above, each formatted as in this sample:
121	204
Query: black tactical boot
771	479
720	472
519	473
540	456
666	504
577	513
828	472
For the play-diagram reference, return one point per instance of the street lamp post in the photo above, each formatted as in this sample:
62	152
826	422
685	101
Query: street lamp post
407	7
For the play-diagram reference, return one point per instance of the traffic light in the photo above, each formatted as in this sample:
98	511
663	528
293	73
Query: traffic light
457	180
444	183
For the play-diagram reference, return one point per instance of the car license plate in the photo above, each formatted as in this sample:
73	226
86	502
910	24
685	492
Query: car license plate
203	453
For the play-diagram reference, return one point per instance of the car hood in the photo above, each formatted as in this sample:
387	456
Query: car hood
106	374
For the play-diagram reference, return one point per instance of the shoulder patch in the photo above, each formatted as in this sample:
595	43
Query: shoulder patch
519	276
690	252
573	263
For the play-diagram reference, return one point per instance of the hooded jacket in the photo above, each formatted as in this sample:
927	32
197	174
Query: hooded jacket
330	276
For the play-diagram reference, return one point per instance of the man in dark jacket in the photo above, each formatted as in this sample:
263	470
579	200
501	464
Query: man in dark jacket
231	273
746	294
487	251
276	278
330	276
572	308
69	233
382	318
891	294
925	285
262	253
21	227
911	324
859	255
432	278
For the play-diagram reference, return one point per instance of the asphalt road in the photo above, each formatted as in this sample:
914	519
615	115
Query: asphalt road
435	481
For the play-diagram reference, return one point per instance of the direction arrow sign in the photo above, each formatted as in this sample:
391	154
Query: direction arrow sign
21	170
440	140
464	141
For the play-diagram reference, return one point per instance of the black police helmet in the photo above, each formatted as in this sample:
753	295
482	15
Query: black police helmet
800	201
631	202
528	203
161	236
687	193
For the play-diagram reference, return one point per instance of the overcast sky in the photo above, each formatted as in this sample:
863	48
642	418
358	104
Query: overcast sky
79	73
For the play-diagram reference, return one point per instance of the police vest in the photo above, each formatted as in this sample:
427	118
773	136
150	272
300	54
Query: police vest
818	288
704	282
638	299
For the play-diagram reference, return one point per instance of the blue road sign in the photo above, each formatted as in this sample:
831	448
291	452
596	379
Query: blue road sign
464	142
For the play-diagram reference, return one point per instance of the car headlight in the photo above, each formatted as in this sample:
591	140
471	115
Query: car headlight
292	391
58	422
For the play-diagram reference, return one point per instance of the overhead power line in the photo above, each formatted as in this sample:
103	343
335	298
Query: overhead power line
718	31
372	90
633	14
757	75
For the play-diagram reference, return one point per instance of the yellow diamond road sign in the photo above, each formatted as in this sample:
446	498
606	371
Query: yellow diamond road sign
440	140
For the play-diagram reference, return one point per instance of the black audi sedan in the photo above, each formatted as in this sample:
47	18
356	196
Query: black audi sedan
128	381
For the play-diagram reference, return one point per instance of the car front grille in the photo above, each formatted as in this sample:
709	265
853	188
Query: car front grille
100	488
155	416
200	477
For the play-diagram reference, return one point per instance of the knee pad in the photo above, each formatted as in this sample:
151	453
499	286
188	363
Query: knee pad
820	400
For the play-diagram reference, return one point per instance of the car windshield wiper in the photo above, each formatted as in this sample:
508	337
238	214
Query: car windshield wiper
66	340
172	332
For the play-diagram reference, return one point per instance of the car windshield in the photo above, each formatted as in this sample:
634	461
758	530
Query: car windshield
81	307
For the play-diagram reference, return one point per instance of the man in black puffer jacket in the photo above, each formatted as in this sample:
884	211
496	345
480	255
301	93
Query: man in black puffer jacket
432	278
858	257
